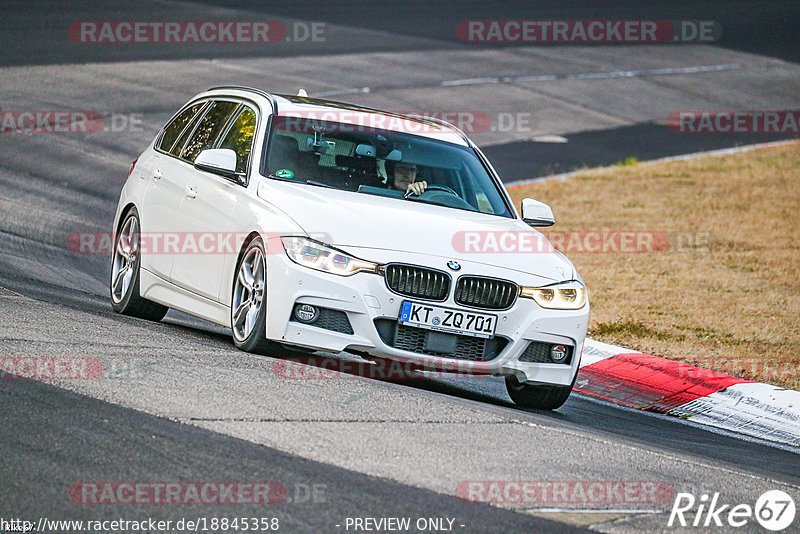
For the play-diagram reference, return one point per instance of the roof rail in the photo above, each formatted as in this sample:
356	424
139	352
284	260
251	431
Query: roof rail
261	92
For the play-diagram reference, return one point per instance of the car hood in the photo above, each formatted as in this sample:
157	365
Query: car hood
369	223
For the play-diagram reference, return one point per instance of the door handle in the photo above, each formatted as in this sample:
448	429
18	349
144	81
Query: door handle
157	174
190	191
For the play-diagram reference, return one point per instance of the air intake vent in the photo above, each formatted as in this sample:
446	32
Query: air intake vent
418	282
335	320
413	340
489	293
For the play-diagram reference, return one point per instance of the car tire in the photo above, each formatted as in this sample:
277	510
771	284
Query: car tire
537	396
125	269
250	336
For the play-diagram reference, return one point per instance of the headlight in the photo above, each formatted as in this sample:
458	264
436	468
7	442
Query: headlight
321	257
562	296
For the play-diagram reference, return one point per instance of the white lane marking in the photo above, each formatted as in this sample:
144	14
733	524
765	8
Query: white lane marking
354	90
550	139
589	511
603	75
469	81
536	78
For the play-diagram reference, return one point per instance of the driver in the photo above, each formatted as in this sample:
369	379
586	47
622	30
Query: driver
404	178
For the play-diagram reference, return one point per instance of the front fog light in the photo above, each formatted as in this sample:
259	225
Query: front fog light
558	353
306	313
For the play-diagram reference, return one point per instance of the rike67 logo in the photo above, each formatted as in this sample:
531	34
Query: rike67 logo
774	510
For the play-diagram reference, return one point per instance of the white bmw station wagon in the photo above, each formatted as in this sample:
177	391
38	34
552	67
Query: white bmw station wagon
332	227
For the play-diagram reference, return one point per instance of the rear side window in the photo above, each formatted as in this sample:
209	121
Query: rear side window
177	147
208	129
174	128
240	137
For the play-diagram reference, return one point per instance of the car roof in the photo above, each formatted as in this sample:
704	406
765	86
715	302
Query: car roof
331	110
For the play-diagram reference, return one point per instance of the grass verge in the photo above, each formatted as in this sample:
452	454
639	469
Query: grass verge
725	293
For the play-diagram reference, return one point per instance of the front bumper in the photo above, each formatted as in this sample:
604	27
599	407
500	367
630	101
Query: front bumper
364	297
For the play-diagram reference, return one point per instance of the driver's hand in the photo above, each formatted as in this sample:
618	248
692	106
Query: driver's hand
417	188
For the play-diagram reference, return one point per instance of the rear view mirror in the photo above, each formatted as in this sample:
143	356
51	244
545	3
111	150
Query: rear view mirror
365	150
319	146
221	161
535	213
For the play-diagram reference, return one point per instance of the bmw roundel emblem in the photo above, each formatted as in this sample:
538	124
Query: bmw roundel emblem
454	265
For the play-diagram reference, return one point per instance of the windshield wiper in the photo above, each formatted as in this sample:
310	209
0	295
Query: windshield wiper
282	178
320	184
308	182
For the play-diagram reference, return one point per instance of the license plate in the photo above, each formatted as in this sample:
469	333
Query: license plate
449	320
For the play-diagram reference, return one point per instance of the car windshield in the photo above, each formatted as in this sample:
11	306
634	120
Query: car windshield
381	162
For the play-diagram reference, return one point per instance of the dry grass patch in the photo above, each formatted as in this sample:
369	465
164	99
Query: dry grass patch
728	298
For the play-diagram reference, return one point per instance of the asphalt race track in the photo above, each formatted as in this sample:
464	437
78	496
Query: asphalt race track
177	402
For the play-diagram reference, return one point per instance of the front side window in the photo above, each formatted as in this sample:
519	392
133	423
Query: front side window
381	162
208	129
240	137
174	128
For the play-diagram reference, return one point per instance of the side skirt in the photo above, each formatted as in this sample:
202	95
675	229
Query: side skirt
157	289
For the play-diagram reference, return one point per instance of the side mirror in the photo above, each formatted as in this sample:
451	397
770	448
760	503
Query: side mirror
535	213
221	161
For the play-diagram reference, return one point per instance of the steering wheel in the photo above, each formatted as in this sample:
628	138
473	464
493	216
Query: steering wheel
434	187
